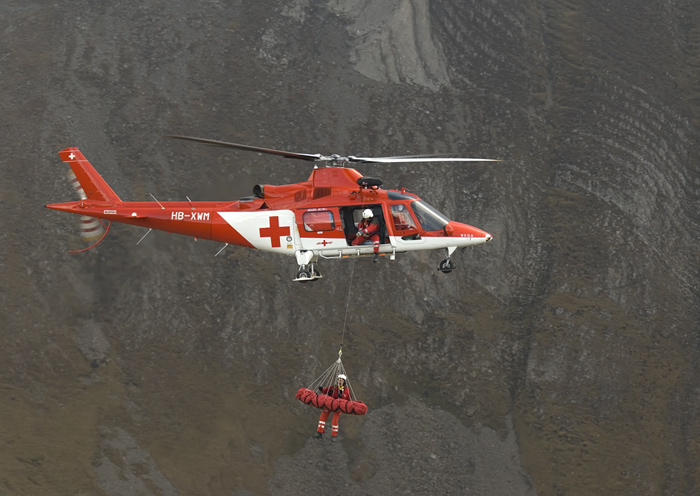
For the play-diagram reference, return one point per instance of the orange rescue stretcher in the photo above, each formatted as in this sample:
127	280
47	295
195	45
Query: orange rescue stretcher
312	398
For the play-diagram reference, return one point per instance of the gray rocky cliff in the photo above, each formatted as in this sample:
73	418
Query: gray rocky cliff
561	358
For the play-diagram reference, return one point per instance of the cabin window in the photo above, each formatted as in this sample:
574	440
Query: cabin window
318	221
402	219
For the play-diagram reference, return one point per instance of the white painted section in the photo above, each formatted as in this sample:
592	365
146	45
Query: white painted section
433	243
265	228
402	246
325	244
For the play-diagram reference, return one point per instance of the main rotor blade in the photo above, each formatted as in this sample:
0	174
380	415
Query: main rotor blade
334	159
301	156
400	160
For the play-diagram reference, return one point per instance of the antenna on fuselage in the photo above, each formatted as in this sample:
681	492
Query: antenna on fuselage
144	236
161	206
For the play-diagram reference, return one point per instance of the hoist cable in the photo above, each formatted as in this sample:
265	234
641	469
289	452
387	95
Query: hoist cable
347	306
329	377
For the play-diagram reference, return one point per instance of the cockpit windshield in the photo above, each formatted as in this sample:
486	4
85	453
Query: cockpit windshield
429	217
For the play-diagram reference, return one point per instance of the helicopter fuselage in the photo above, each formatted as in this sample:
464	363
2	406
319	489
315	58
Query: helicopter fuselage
313	219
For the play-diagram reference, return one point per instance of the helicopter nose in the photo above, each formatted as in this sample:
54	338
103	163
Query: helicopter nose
471	235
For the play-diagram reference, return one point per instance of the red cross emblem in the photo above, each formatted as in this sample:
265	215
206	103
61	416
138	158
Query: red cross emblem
324	243
274	232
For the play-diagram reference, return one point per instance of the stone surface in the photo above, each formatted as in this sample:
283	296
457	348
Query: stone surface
561	358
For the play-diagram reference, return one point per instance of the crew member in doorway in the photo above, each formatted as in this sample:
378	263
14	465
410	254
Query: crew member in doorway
368	232
338	391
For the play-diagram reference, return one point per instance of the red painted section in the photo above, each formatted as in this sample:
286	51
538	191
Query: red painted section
222	231
319	231
467	231
333	404
274	231
94	186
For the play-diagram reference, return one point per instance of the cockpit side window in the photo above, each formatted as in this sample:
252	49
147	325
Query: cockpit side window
429	217
402	218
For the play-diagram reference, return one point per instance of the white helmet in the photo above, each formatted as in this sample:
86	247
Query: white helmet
343	376
367	213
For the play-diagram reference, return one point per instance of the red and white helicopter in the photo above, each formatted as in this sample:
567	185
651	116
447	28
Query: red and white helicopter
310	220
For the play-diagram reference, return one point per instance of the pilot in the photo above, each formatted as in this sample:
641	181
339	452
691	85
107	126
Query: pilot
368	232
339	391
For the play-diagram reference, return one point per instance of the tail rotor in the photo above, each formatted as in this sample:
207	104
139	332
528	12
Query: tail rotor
91	229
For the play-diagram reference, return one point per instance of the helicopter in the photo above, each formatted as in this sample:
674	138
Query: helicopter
310	220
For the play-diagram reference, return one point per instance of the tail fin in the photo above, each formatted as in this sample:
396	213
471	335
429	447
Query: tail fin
93	185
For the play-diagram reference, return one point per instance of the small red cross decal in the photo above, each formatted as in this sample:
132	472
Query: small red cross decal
324	243
274	232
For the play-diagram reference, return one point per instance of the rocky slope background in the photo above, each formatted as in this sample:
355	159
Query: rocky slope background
562	358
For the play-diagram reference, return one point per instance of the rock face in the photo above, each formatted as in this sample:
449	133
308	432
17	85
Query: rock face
561	358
